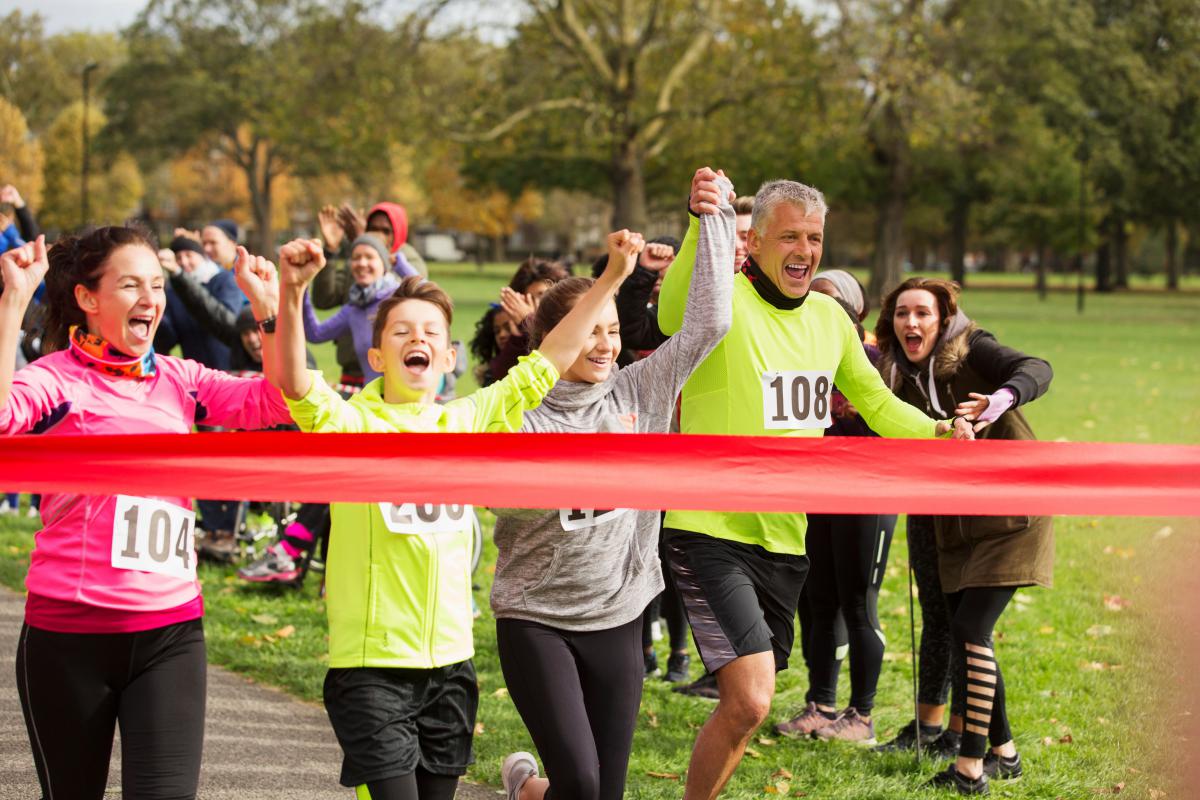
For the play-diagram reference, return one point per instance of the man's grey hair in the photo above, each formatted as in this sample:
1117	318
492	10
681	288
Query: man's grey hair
773	193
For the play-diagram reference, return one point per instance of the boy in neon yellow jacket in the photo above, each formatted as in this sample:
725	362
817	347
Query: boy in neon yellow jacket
401	691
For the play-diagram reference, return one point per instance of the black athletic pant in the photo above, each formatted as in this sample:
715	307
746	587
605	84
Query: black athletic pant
978	684
578	695
933	676
419	785
668	604
75	687
847	557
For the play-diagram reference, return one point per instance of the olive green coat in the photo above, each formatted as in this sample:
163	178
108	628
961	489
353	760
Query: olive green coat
975	551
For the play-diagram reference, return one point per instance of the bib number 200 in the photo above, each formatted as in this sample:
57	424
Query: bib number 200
154	536
793	400
416	518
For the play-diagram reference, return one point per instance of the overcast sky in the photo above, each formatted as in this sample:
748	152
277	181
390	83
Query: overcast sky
66	15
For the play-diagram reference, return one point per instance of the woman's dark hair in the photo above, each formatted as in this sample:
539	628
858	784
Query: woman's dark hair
555	305
78	260
945	292
483	343
533	270
853	315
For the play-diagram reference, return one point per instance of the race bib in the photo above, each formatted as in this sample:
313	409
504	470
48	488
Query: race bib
574	519
416	518
793	400
154	536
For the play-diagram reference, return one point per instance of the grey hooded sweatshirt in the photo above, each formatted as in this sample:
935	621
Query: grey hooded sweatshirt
587	569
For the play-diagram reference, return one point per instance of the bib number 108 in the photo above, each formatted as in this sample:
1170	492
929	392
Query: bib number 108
795	400
153	536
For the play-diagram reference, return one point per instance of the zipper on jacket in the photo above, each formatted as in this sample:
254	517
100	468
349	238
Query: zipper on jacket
431	611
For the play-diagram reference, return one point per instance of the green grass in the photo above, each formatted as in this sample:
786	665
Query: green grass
1085	683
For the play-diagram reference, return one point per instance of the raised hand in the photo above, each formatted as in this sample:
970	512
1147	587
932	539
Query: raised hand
166	258
258	279
354	224
23	269
624	247
518	306
299	262
657	256
705	196
187	234
9	194
331	228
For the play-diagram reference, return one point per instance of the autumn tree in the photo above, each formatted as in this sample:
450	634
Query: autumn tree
20	155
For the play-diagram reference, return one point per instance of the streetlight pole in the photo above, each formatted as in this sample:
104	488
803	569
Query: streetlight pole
83	172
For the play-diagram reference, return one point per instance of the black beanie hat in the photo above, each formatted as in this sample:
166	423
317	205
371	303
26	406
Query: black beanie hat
181	243
228	227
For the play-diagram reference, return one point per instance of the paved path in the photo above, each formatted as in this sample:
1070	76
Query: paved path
258	741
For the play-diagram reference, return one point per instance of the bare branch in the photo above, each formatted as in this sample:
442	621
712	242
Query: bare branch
593	52
678	72
520	116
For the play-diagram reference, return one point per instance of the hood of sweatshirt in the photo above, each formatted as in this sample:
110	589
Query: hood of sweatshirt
399	219
569	396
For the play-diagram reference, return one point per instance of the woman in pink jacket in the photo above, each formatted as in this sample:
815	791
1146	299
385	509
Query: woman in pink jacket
113	627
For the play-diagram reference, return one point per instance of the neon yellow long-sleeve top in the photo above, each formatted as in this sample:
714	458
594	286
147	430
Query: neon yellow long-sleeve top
732	392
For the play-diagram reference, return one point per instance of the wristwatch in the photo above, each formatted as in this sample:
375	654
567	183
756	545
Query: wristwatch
267	325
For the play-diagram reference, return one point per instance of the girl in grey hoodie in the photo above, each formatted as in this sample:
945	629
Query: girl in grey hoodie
571	584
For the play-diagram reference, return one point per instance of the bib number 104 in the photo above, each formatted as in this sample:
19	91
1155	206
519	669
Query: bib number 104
153	536
794	400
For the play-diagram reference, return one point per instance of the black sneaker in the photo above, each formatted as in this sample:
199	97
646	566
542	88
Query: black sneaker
677	668
651	661
1001	768
945	746
951	778
906	739
705	686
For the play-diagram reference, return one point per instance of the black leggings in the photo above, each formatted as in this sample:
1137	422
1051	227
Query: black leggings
933	676
978	684
578	695
670	605
847	558
75	687
420	785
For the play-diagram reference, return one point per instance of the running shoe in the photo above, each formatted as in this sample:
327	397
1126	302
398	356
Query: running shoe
1002	768
848	727
650	659
906	739
5	508
516	770
677	668
33	513
705	686
951	778
806	723
276	566
220	546
945	746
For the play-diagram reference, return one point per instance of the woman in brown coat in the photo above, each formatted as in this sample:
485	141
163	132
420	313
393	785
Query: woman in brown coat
934	357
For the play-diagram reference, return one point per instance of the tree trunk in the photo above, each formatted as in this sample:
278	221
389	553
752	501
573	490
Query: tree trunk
890	143
1041	271
1120	242
1172	254
1104	259
259	182
629	188
960	211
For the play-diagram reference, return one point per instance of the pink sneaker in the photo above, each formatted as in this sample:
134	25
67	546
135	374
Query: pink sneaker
849	727
808	721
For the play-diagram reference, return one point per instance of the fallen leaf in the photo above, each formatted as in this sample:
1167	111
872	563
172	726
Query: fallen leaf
765	742
750	751
479	729
782	773
264	619
285	631
501	692
1047	741
250	639
651	718
1163	532
1157	794
1099	630
780	788
1114	602
667	776
1046	629
1068	739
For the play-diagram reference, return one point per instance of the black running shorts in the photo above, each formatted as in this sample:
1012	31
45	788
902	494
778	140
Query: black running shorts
389	721
740	598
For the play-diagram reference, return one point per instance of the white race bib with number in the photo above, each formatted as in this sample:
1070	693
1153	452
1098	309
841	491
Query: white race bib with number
793	400
416	518
574	519
154	536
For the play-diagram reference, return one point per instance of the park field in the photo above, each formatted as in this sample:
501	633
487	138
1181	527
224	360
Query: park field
1092	667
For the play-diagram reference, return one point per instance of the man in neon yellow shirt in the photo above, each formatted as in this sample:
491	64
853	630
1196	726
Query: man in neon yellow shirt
740	574
401	691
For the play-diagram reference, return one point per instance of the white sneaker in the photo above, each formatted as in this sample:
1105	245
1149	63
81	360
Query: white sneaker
656	631
5	508
33	513
517	768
